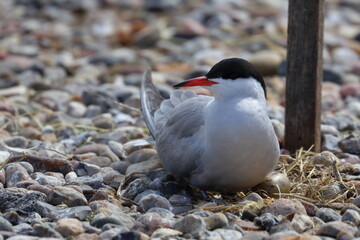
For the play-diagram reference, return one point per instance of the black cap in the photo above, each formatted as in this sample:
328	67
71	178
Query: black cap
234	68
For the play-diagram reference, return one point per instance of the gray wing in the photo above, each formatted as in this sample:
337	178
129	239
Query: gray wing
179	132
150	99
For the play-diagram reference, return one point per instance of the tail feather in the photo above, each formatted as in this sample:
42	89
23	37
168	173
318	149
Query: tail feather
150	101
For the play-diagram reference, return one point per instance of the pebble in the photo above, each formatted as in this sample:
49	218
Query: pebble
302	223
328	215
5	225
190	224
350	145
154	200
336	228
68	196
69	227
351	216
144	167
286	206
217	220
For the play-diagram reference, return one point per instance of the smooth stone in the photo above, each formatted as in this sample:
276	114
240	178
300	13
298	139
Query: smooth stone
275	183
16	173
145	193
104	208
164	213
266	61
80	212
254	197
99	222
218	220
46	209
342	123
99	149
153	200
351	216
46	231
16	141
356	201
120	166
284	235
92	182
302	223
135	187
86	169
329	142
149	222
332	229
286	206
136	144
70	176
69	227
325	158
343	55
329	129
98	161
117	148
114	135
30	133
76	109
23	228
255	235
328	215
141	155
165	233
190	224
350	145
68	196
104	121
144	167
5	225
181	204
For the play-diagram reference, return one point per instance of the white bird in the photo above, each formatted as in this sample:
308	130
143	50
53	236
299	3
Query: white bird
224	142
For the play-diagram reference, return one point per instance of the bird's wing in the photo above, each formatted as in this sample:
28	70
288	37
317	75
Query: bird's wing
180	132
150	101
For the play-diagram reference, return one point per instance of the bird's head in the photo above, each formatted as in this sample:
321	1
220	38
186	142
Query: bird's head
232	76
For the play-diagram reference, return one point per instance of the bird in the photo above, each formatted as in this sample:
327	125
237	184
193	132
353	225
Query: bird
222	143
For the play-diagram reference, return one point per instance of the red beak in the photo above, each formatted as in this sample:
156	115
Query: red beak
199	81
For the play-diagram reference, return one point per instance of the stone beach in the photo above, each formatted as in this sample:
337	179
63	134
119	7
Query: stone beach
75	160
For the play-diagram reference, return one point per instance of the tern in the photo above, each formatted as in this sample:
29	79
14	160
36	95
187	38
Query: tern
225	142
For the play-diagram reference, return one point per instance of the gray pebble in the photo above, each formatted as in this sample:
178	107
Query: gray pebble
5	225
351	216
16	141
68	196
332	229
218	220
329	142
190	224
164	213
302	223
23	229
328	215
350	145
153	200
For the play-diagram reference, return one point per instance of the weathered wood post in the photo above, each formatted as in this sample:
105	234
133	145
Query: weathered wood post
304	74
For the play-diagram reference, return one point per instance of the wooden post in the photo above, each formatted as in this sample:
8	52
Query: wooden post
304	74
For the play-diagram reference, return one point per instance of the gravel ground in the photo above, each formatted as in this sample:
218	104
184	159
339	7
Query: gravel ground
74	160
